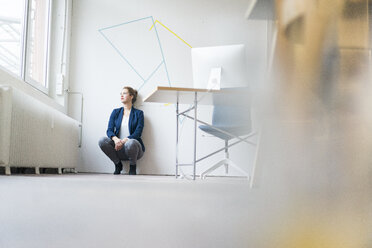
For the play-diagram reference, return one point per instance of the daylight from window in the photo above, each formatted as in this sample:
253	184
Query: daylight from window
11	21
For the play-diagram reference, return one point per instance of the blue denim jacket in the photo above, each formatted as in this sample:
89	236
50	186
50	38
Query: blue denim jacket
135	124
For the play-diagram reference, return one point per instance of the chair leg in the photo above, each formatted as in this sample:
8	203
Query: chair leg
214	167
227	162
232	164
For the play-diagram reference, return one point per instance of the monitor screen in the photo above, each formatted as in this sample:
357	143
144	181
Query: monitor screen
206	61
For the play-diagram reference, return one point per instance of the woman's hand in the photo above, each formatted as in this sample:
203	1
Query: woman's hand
118	143
124	140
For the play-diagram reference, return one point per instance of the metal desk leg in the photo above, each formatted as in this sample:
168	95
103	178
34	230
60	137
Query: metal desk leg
177	119
195	123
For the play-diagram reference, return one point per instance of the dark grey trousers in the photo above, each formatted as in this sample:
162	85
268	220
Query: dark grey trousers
132	150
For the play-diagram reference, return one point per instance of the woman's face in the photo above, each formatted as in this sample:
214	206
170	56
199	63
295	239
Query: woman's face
125	97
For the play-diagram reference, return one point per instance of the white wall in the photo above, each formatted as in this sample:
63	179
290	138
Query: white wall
99	72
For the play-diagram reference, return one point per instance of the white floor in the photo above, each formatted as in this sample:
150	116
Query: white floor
101	210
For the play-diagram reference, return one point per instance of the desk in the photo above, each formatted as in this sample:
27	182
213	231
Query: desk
183	96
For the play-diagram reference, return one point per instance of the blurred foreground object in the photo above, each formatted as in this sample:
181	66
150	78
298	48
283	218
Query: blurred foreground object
316	147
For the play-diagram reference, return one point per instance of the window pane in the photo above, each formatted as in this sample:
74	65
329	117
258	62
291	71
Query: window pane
11	26
37	41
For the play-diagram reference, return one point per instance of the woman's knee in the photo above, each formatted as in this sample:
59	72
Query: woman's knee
103	141
133	149
130	144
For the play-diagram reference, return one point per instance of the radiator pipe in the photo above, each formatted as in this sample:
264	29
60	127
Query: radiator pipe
81	113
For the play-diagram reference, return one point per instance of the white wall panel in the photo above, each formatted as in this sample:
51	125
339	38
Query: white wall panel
100	71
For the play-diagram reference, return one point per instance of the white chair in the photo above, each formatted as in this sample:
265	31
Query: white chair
231	120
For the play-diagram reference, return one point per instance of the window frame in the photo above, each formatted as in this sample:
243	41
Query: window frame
23	45
26	78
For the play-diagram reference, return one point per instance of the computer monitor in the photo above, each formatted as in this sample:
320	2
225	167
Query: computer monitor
231	59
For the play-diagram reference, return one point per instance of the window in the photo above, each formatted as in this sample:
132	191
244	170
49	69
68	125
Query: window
37	42
24	36
11	33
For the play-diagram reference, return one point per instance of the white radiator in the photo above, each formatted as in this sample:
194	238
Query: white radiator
33	134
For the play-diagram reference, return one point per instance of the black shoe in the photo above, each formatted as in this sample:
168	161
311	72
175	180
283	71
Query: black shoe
118	168
132	169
